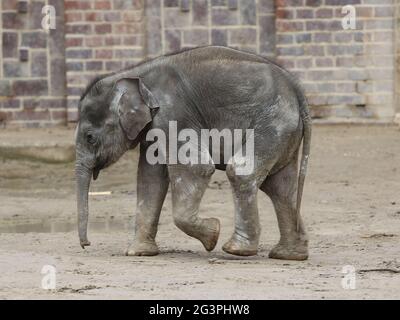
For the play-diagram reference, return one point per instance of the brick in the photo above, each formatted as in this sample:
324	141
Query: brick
94	41
74	66
5	88
127	53
284	13
134	16
326	87
323	62
172	40
343	37
304	63
379	24
9	4
171	3
35	14
287	26
78	29
218	3
200	13
219	37
248	12
341	2
112	41
322	37
30	87
73	42
127	4
324	13
290	51
243	36
102	28
12	21
223	17
94	65
384	12
321	25
15	69
39	64
93	16
30	115
303	38
266	7
232	4
185	5
73	16
35	39
102	5
113	65
346	87
103	54
133	40
304	14
10	44
112	16
78	53
174	18
197	37
77	5
284	38
12	103
131	27
286	63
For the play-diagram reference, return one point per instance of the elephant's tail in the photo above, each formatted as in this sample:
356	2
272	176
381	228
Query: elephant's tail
306	118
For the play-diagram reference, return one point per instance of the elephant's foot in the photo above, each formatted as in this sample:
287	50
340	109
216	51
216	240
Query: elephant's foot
241	247
210	233
293	251
142	249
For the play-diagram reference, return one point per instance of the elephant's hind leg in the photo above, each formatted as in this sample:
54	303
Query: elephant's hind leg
188	184
281	187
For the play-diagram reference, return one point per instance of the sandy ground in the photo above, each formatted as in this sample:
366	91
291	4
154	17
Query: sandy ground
351	208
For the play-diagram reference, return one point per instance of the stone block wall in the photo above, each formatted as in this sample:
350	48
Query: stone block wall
32	70
346	73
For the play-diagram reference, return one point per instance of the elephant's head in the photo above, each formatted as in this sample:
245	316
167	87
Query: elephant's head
113	116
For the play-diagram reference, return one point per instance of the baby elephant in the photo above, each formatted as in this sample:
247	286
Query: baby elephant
195	92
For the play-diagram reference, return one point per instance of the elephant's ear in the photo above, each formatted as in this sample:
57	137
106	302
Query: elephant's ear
133	102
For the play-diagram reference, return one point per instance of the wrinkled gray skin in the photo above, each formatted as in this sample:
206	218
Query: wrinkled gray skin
209	87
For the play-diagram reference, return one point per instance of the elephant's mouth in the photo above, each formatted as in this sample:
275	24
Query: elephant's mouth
97	168
96	172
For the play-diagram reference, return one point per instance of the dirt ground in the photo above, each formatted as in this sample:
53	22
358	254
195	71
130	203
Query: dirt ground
351	208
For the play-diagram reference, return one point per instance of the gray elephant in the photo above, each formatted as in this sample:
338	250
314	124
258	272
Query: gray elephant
202	88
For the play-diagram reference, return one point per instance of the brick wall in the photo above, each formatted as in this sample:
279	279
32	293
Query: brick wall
100	36
32	74
346	73
245	24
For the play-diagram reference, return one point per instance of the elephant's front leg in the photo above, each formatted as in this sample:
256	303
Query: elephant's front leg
188	184
152	187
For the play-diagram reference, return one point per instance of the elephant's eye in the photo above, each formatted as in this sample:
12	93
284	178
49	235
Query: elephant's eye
90	138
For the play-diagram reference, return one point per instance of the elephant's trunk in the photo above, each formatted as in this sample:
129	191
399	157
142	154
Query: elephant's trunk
83	176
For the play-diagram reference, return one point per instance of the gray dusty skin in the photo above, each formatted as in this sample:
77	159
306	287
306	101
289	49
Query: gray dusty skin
202	88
